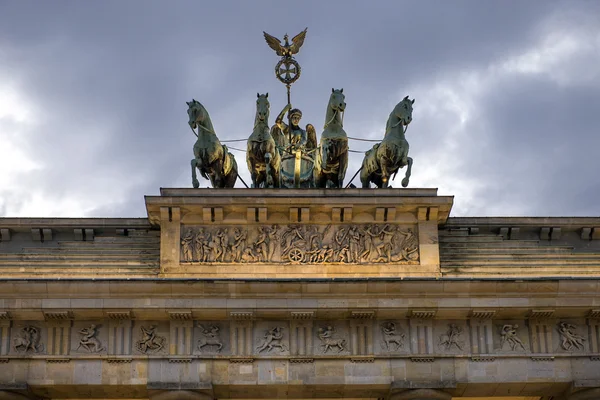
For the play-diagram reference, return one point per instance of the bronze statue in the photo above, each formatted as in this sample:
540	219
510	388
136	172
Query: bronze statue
287	50
212	159
391	154
331	160
293	137
262	155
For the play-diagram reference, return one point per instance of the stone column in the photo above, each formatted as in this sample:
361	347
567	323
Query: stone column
179	395
586	394
421	394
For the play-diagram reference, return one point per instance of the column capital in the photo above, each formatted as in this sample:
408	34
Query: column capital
420	394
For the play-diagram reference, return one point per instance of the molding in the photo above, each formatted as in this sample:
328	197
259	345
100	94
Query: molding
422	359
541	314
119	315
58	360
5	315
180	315
180	360
482	314
362	359
594	314
301	360
370	314
241	360
302	315
542	358
241	315
422	314
483	358
58	315
119	360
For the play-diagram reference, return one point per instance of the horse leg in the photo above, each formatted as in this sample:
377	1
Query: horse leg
385	175
195	182
218	174
408	171
268	172
342	166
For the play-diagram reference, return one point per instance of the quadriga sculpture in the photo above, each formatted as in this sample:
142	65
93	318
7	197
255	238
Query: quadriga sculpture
331	160
212	159
262	155
391	154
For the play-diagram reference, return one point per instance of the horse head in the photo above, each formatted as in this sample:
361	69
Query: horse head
403	110
196	113
337	100
262	108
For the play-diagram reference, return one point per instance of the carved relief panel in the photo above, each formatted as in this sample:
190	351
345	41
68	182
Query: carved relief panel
271	338
300	244
89	337
331	338
150	337
511	336
28	338
391	337
211	338
451	337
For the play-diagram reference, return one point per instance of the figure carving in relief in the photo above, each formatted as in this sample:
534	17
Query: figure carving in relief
28	339
327	340
509	335
569	338
211	337
273	239
272	339
199	244
223	244
89	341
249	255
452	337
186	245
292	237
391	335
261	245
409	247
150	341
240	236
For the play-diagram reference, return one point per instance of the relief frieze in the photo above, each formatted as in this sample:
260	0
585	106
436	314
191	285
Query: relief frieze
301	244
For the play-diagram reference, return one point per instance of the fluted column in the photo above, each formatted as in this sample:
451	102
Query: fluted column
586	394
179	395
420	394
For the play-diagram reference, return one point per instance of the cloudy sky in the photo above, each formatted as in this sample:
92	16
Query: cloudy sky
93	114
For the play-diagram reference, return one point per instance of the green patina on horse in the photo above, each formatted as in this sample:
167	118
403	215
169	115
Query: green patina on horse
211	158
391	154
331	160
262	155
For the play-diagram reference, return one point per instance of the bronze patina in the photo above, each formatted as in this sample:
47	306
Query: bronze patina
211	158
387	157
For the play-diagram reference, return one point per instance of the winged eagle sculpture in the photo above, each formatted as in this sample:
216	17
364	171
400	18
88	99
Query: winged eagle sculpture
287	49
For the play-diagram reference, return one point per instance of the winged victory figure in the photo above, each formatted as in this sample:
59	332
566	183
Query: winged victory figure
287	49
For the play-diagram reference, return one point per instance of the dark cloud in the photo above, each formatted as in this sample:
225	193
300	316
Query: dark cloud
108	81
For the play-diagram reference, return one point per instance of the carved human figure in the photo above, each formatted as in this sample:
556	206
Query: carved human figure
249	255
384	248
150	341
409	248
452	337
211	337
260	244
186	245
292	236
508	333
199	243
328	342
354	244
273	241
223	245
239	243
569	339
28	339
89	341
272	339
391	335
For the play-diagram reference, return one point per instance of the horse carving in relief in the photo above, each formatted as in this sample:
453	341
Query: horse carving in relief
262	155
211	158
391	154
331	160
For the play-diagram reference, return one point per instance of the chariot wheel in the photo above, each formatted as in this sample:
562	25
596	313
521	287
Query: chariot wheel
296	255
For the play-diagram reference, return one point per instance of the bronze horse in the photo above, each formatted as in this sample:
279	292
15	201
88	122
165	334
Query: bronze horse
391	154
212	159
331	160
262	155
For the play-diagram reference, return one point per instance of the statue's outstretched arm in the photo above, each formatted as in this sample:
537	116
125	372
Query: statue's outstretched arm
279	120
